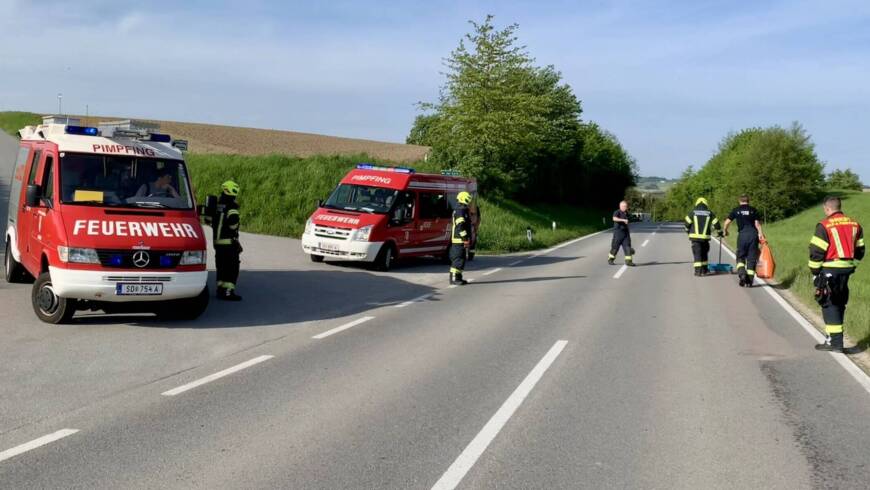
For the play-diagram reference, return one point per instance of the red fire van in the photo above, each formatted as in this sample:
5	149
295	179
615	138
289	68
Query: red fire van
378	214
104	219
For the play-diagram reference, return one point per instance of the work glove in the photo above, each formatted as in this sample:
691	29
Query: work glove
466	244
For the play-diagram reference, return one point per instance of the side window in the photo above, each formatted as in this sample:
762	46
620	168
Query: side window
405	207
48	179
34	166
428	202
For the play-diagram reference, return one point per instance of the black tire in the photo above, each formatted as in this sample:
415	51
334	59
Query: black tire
316	258
386	258
48	306
187	309
14	270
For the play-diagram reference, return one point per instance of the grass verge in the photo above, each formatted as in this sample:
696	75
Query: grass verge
789	240
11	121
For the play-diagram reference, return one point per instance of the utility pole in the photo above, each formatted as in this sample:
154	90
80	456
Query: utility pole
59	104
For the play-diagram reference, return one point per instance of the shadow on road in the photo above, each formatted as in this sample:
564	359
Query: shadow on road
415	265
283	297
652	263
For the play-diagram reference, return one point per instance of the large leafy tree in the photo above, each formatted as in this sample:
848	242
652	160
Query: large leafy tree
845	180
514	126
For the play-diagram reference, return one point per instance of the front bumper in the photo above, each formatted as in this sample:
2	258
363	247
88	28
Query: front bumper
336	249
100	285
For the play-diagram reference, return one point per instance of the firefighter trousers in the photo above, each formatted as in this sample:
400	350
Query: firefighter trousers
457	258
833	300
227	263
747	255
701	253
621	238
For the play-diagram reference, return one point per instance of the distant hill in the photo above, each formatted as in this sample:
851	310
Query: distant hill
211	138
654	184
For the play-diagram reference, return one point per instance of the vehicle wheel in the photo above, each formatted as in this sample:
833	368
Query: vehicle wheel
14	270
185	309
47	305
316	258
386	257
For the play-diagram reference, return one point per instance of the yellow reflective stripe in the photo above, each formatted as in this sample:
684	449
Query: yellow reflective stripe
740	265
838	244
815	265
229	285
460	220
860	242
695	220
698	264
704	263
833	329
220	226
707	226
688	220
224	241
715	220
611	256
695	235
456	241
818	242
628	257
839	264
750	272
463	233
232	212
454	270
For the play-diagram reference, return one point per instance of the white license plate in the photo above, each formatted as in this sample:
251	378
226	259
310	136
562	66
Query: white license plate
139	289
333	247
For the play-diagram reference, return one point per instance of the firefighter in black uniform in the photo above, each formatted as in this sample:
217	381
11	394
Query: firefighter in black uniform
835	249
749	234
621	236
227	248
460	238
699	224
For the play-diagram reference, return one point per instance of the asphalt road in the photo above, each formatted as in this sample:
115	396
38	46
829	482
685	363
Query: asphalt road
551	370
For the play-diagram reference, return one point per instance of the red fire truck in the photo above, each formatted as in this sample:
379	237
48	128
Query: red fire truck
104	219
378	214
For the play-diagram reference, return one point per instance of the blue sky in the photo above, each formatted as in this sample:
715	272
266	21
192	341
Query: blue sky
669	78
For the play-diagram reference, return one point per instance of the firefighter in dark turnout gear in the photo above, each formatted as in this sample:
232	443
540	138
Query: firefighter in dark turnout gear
460	238
621	236
835	249
225	226
699	224
749	235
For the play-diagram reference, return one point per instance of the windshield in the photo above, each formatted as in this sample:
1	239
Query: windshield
101	180
361	198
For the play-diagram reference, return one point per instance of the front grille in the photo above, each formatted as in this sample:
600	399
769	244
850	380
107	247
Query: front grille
332	232
138	278
126	259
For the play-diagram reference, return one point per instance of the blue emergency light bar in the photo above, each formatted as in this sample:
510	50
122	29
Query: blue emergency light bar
82	131
160	138
370	166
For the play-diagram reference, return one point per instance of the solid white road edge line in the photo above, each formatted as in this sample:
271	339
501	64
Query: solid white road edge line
415	300
645	242
620	271
217	375
42	441
343	327
515	263
457	471
850	367
487	273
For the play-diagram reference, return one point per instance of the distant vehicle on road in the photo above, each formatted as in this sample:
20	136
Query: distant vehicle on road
104	219
379	214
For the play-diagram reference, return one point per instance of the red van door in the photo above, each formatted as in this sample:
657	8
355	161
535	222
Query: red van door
39	214
434	218
403	220
25	216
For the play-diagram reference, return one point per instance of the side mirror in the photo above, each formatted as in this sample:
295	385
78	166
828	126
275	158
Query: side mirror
320	203
33	197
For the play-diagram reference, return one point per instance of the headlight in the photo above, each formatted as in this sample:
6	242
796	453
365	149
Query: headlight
362	234
78	255
309	226
192	257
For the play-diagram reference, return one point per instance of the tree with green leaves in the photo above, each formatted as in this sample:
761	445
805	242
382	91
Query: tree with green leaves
514	126
844	180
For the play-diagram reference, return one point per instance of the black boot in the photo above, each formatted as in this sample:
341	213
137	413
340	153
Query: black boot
457	280
228	295
629	263
834	343
697	272
609	261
